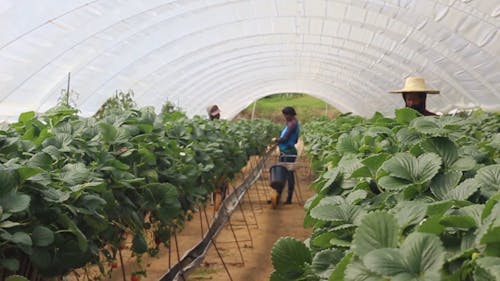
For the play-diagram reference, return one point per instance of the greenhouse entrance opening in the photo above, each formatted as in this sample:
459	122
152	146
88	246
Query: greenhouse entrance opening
307	106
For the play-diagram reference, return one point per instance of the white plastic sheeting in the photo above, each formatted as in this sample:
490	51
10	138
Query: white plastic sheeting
200	52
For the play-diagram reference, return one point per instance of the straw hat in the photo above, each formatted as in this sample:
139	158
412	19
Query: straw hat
415	85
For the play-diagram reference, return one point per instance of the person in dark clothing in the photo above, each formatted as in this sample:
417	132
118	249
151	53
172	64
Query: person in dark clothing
286	142
213	112
221	183
415	94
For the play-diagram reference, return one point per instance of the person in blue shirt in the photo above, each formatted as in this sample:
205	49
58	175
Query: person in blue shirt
286	142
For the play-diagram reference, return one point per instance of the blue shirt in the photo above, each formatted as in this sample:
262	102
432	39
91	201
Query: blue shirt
288	139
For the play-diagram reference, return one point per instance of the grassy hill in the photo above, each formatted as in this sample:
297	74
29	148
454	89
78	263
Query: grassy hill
307	107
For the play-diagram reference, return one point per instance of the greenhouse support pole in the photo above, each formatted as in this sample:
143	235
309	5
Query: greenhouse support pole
67	89
253	109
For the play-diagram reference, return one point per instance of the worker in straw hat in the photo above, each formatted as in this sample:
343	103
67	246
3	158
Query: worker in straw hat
213	112
415	93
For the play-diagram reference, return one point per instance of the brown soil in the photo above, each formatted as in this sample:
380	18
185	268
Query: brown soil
286	220
265	226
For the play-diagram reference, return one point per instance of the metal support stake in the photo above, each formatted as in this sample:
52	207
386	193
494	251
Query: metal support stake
170	251
206	216
236	240
221	259
247	194
260	182
264	182
301	165
259	198
298	192
122	265
246	224
179	257
217	249
201	225
251	208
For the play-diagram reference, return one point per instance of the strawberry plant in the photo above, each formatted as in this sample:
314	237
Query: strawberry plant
404	198
74	189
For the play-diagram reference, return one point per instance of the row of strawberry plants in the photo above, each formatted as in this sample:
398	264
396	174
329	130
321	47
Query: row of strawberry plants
404	198
73	188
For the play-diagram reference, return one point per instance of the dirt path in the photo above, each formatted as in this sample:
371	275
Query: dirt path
265	226
286	220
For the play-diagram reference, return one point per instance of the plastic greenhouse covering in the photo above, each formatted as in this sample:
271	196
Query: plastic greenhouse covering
193	53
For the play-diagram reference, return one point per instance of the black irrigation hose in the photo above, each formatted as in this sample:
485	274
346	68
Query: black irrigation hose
195	256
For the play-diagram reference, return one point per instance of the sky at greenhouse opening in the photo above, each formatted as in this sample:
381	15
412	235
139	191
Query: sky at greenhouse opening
194	53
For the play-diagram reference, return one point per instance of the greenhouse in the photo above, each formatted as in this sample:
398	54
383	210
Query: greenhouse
195	53
111	170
